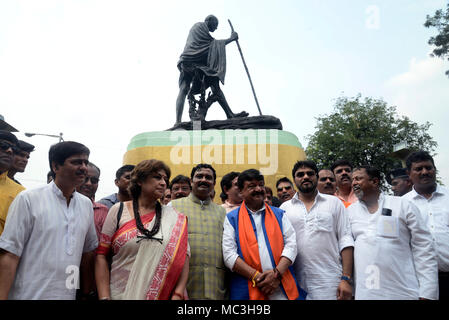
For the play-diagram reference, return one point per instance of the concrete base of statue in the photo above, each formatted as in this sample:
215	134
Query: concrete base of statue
255	122
273	152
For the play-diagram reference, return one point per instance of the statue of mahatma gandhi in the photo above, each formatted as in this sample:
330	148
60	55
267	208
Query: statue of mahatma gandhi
202	65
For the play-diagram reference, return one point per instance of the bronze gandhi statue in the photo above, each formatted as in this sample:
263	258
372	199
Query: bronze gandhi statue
202	65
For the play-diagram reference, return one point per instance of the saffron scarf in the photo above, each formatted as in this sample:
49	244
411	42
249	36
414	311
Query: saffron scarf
250	250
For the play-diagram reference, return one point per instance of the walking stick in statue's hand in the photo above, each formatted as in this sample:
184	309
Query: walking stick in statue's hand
246	68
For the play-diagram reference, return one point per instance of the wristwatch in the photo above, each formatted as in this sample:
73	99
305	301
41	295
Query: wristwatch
92	295
346	278
277	274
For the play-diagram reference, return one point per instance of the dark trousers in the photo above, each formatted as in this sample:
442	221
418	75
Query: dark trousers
443	283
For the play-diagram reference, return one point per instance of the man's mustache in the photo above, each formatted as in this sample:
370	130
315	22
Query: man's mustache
203	184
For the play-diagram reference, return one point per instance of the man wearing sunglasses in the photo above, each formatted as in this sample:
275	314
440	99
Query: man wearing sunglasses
8	188
285	189
89	188
20	159
323	236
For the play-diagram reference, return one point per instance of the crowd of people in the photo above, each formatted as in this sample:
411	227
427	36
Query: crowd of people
327	234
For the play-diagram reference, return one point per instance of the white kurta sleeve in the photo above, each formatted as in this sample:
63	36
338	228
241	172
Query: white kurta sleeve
289	234
229	245
424	255
343	228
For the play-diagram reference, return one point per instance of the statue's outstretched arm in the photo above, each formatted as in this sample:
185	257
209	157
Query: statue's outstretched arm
234	37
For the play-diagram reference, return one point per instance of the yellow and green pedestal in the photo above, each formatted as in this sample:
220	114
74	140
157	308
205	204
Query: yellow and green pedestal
273	152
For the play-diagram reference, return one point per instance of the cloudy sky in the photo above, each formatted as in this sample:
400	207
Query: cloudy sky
102	71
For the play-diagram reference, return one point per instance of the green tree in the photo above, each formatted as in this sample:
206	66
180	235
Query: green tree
364	132
440	21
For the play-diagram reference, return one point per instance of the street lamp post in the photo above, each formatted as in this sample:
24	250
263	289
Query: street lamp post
47	135
401	151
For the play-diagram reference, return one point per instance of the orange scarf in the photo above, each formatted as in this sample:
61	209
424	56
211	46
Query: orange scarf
250	250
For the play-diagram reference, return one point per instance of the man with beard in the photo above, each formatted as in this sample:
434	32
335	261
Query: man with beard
259	246
325	245
394	258
342	171
206	267
180	187
49	230
8	188
20	159
432	199
326	182
285	189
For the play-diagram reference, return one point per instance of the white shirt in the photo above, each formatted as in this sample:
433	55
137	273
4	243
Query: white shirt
230	254
394	258
49	238
435	212
321	234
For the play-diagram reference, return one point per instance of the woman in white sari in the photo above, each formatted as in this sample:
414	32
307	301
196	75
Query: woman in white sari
149	244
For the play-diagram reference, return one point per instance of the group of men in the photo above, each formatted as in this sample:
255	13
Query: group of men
337	236
400	242
14	155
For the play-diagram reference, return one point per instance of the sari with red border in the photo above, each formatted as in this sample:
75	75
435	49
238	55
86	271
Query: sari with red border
153	269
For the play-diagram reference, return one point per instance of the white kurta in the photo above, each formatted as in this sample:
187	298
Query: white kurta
49	238
321	234
394	258
230	254
435	212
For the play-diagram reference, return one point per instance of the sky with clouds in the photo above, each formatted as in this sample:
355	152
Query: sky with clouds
102	71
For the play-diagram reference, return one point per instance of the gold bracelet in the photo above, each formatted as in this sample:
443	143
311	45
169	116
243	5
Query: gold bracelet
253	278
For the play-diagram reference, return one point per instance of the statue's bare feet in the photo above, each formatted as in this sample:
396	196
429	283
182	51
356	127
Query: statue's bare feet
241	114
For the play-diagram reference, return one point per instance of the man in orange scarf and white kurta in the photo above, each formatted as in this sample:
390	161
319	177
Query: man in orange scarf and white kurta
259	246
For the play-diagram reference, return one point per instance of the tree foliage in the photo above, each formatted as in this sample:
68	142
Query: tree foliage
440	21
364	132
